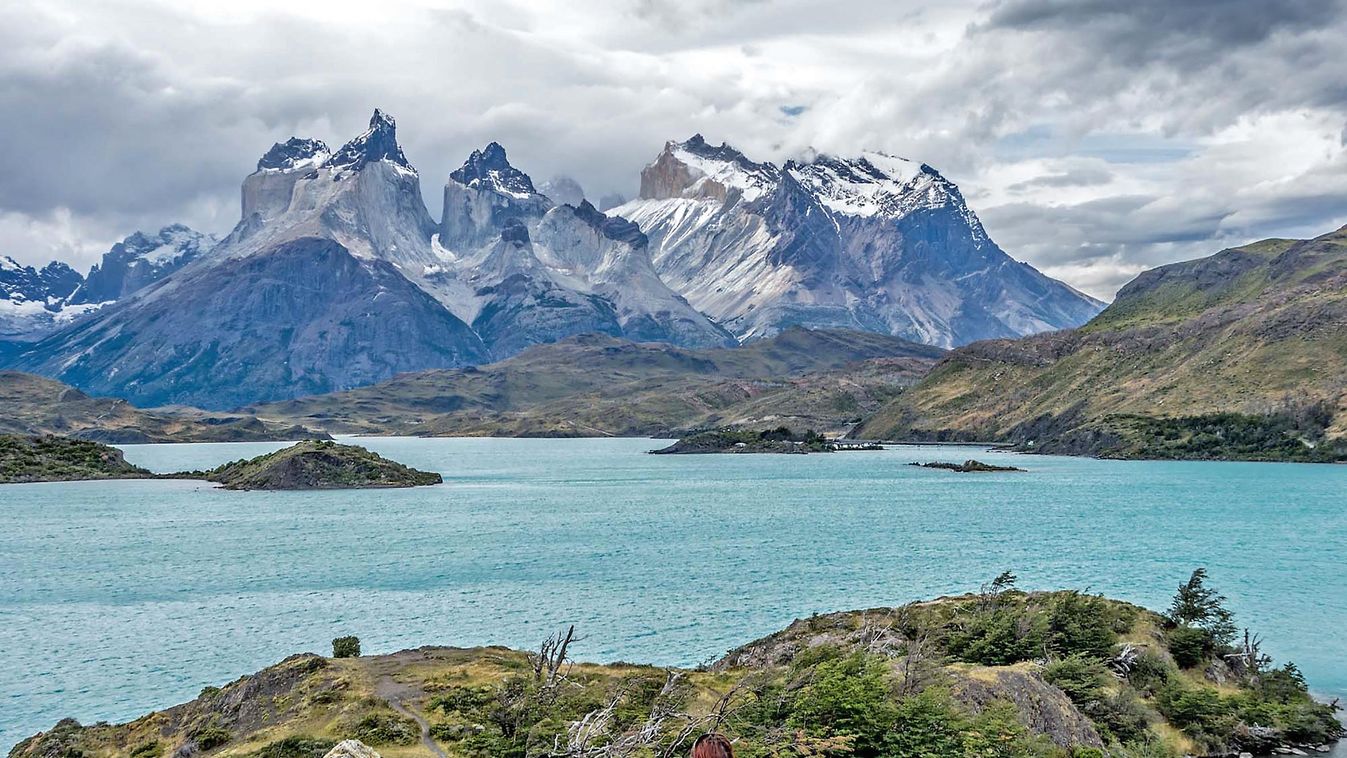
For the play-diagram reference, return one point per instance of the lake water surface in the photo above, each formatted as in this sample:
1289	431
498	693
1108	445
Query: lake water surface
117	598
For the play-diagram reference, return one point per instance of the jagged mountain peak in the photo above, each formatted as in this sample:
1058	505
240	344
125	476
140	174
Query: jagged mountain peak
294	153
378	143
489	168
614	228
139	260
696	169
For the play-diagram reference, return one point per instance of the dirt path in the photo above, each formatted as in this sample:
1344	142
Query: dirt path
426	740
396	694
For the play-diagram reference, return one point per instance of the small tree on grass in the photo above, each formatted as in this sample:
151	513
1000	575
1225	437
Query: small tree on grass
346	647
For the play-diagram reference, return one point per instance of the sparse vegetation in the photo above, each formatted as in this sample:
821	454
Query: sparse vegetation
50	458
778	440
319	464
1001	673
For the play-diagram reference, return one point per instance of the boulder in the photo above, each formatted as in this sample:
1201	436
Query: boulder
352	749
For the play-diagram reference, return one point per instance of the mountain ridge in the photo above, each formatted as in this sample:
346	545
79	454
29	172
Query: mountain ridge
336	276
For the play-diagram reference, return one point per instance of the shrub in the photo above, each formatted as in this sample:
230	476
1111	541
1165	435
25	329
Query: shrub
296	746
147	749
211	737
1189	646
1150	671
848	696
1080	624
1199	712
386	729
1081	678
346	647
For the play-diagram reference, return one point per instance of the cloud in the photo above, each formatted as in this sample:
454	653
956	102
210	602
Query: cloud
1094	142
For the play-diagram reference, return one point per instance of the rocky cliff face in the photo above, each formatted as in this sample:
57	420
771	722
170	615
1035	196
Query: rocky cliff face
524	270
873	242
32	299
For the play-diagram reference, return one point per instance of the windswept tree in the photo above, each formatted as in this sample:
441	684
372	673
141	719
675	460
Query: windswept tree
1199	606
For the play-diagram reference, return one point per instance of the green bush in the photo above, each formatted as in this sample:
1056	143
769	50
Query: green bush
999	637
1199	712
1189	646
211	737
1149	672
386	729
1081	678
147	749
346	647
297	746
847	696
1081	624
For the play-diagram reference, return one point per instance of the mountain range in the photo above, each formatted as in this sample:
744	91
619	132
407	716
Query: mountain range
875	243
1239	354
336	276
34	302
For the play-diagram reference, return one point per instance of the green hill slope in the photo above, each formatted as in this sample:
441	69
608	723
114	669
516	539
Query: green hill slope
1239	355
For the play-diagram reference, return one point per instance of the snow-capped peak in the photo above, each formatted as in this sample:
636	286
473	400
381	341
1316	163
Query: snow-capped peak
724	165
871	184
490	169
378	143
293	154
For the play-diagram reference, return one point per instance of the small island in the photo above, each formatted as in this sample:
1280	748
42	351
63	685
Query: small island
778	440
317	465
969	466
49	458
307	465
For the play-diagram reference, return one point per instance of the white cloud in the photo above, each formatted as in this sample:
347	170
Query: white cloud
1094	143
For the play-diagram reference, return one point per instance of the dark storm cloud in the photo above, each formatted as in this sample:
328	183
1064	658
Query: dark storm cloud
1189	31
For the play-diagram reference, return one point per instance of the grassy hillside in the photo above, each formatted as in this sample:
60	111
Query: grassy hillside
35	405
1001	673
52	459
1246	346
597	385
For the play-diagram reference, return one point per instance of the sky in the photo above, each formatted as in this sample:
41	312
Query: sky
1094	138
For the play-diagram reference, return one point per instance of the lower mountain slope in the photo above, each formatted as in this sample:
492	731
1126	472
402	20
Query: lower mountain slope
998	674
309	317
34	405
595	385
1242	354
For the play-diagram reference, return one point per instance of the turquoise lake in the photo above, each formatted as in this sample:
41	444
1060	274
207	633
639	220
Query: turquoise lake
117	598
